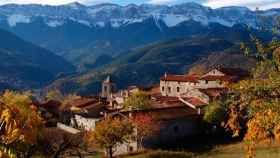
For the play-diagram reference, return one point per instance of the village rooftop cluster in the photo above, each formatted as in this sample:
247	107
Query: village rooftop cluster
176	103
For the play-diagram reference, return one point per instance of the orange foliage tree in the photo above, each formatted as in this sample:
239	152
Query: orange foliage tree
145	125
20	124
254	103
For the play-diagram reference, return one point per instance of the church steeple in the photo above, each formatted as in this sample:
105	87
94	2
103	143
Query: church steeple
107	87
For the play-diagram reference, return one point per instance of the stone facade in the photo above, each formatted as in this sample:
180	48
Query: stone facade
176	88
108	88
84	123
177	85
214	72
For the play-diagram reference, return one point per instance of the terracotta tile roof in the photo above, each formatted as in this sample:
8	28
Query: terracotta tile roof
180	78
161	102
167	108
83	102
169	114
195	102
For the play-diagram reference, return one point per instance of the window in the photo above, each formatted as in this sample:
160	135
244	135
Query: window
178	89
130	149
105	89
169	89
206	82
162	89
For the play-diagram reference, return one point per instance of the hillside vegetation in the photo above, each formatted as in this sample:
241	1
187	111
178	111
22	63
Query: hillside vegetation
24	65
144	66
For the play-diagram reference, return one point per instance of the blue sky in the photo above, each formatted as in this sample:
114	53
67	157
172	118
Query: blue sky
262	4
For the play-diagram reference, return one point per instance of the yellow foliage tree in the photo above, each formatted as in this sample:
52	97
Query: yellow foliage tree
254	103
137	101
111	132
20	124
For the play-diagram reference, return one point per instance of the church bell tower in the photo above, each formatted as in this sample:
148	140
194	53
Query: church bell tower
107	88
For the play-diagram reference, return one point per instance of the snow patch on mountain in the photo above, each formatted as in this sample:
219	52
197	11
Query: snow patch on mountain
55	23
118	16
221	21
116	23
84	22
172	20
100	24
14	19
157	21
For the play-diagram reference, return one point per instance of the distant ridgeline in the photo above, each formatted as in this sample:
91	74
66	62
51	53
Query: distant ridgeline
134	44
89	36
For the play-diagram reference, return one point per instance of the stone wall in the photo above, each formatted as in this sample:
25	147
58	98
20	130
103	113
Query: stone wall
175	88
84	123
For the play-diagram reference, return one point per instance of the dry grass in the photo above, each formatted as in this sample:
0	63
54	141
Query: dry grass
222	151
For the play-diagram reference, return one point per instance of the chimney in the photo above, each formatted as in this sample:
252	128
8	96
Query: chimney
165	75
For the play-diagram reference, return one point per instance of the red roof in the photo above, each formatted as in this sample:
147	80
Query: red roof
160	102
195	102
180	78
83	102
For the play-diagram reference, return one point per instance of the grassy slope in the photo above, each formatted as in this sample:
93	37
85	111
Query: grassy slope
224	151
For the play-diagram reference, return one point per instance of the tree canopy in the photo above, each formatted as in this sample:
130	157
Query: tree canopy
111	132
137	101
20	124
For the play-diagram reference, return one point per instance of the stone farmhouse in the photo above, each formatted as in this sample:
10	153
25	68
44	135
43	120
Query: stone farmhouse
178	85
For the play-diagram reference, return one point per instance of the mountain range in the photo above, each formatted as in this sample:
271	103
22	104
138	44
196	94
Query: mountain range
135	44
84	34
24	65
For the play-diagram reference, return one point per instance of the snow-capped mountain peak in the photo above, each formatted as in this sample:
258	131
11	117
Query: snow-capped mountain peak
116	16
75	5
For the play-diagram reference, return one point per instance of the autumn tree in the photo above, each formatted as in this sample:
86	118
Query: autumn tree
54	95
254	105
58	143
137	101
20	124
111	132
215	113
146	126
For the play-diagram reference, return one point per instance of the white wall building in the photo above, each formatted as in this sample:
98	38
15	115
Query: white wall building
176	85
84	123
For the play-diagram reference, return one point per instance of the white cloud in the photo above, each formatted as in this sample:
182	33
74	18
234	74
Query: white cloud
161	1
51	2
262	4
272	5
